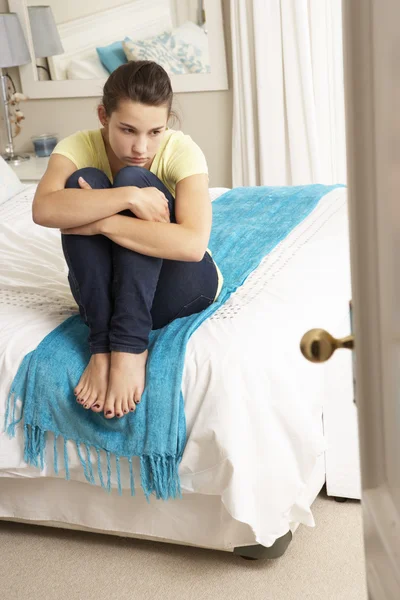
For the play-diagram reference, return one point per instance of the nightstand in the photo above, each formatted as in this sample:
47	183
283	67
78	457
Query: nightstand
32	170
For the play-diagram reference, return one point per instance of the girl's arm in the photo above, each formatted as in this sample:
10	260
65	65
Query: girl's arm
54	206
186	240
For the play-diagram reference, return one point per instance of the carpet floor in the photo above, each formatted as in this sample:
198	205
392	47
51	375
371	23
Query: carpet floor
324	563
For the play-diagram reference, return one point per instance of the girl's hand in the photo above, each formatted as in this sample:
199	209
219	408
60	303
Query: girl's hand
149	204
84	184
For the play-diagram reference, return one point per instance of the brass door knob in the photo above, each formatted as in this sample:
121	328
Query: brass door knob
317	345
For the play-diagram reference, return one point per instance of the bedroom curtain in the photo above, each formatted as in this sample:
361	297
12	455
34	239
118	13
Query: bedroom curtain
288	92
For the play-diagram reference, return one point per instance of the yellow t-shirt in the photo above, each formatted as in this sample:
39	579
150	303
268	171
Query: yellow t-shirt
177	157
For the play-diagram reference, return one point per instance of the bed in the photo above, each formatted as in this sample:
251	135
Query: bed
259	446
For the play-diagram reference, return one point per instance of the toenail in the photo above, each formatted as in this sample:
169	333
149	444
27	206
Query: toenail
96	406
118	415
86	405
132	409
109	412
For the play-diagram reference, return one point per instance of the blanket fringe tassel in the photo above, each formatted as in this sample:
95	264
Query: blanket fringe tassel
159	474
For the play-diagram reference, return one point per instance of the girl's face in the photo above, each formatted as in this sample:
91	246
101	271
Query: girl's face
134	131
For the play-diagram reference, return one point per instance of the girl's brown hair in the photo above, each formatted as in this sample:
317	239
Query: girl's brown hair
142	81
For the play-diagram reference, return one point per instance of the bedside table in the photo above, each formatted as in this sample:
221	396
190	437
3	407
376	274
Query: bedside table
32	170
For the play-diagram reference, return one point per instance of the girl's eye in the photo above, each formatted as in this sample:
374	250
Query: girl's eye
125	130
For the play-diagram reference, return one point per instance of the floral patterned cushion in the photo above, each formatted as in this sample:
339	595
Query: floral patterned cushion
9	182
154	49
192	56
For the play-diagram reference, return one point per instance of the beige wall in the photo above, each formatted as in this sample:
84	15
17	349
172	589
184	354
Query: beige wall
206	116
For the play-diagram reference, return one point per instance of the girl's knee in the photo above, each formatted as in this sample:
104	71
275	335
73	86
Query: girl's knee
94	177
138	176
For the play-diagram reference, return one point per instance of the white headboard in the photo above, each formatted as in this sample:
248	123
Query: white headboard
137	20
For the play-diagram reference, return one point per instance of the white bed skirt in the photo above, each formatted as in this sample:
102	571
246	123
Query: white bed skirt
196	520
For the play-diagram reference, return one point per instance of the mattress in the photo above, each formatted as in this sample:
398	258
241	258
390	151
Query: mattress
253	404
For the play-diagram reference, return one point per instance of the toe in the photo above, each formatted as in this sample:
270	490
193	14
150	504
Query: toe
109	407
81	385
138	396
131	405
84	391
79	397
80	388
98	406
118	408
90	401
84	396
125	406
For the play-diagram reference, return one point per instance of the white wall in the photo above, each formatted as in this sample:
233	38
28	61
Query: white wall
66	10
206	116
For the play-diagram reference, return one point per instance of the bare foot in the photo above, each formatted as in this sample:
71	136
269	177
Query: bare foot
92	388
126	383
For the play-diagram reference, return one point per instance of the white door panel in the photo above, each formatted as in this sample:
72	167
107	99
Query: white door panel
372	82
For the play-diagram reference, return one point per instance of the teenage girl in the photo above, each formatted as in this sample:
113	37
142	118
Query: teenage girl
131	200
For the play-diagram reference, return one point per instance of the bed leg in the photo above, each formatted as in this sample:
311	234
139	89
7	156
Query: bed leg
340	499
259	552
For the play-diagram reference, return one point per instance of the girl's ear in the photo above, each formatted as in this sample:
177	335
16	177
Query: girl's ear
101	113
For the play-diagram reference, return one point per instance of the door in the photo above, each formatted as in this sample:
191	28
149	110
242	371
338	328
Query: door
372	88
372	93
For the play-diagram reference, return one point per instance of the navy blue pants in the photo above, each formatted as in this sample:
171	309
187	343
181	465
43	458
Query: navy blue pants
122	295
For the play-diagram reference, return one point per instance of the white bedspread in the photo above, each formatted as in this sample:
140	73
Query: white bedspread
253	403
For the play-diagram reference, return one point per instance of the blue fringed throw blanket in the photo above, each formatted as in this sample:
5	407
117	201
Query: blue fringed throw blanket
247	224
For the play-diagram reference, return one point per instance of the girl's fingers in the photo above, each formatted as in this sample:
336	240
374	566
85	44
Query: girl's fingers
84	184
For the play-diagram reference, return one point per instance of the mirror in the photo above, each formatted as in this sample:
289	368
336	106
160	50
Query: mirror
91	39
184	35
82	43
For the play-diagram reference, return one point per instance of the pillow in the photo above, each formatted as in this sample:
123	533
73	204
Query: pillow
154	49
189	43
191	56
112	56
88	67
190	33
9	182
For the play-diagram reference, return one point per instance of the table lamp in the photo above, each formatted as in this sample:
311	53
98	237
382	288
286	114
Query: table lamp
45	37
13	53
